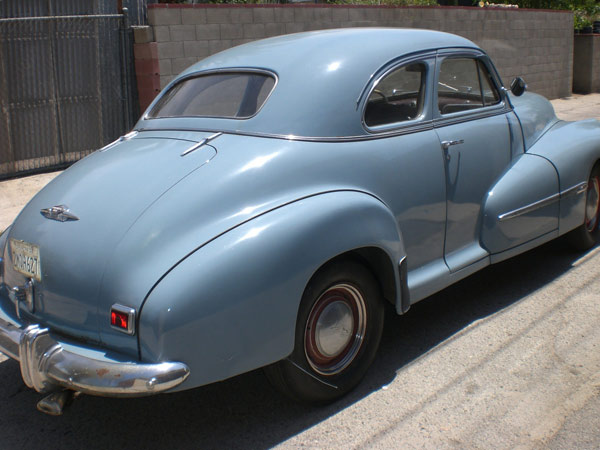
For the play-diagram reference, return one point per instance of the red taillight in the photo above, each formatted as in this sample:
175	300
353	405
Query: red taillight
122	318
119	320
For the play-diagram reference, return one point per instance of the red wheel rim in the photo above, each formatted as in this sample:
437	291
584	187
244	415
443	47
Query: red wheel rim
335	329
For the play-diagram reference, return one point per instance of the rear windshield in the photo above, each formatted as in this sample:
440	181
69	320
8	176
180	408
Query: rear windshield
236	95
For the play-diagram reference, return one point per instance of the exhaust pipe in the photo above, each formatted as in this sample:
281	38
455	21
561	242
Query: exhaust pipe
55	403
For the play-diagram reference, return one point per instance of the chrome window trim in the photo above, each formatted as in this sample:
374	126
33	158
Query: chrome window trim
232	70
427	58
464	116
388	67
414	128
461	117
393	125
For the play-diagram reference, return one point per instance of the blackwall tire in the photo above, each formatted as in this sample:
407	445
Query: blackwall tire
338	330
587	235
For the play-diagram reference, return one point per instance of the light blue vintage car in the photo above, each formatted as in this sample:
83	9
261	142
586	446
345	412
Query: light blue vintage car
270	203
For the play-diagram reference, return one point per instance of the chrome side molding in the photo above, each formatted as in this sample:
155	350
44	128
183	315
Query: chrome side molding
529	208
574	190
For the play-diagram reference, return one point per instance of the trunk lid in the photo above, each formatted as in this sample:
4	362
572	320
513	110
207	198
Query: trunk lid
107	191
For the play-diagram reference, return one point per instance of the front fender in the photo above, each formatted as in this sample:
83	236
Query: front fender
573	148
520	207
231	306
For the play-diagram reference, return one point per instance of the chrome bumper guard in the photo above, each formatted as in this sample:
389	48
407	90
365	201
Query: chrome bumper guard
46	366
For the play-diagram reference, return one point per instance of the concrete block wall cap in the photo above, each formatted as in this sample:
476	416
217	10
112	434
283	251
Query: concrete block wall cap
324	5
142	34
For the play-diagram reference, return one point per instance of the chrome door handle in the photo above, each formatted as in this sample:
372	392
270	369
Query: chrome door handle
447	144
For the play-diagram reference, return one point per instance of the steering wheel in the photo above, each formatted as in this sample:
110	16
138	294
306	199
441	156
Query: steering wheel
378	92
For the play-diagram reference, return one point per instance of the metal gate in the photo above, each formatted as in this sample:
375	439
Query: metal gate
67	87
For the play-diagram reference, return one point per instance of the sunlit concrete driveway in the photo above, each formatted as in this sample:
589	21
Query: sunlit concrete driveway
509	358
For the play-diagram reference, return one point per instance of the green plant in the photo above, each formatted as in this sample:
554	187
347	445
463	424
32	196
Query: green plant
386	2
584	11
580	20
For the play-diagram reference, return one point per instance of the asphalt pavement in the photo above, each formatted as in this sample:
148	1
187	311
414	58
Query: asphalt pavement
508	358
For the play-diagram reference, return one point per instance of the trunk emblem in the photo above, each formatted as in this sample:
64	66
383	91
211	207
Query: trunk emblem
60	213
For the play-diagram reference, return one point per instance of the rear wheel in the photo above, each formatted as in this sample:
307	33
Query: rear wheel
338	330
588	234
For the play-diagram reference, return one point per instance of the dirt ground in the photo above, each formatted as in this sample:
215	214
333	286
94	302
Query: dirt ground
14	194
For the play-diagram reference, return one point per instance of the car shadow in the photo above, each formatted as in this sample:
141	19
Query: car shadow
245	412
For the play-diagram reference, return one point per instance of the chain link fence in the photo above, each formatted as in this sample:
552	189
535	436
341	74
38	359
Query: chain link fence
67	87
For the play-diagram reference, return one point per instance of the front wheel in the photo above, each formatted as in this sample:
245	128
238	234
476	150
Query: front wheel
588	234
338	330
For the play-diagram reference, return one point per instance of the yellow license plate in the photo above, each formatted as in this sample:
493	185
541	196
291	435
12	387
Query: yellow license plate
26	259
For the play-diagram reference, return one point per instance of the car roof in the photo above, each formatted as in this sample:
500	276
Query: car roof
321	75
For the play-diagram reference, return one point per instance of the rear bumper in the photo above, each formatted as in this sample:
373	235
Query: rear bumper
48	365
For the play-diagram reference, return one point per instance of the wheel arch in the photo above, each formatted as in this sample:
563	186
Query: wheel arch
383	269
262	265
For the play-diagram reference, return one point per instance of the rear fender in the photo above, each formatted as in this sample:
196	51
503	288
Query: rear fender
231	306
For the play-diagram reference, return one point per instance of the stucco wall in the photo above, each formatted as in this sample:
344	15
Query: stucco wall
537	45
586	64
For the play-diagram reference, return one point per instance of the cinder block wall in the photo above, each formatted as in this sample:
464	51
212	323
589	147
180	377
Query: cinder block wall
586	64
537	45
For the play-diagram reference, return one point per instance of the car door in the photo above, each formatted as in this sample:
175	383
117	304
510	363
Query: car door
474	137
410	179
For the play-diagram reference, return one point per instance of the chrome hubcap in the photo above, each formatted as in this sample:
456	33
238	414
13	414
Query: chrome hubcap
335	329
592	204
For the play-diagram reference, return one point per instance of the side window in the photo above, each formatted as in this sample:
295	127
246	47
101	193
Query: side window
491	96
465	84
398	97
223	95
